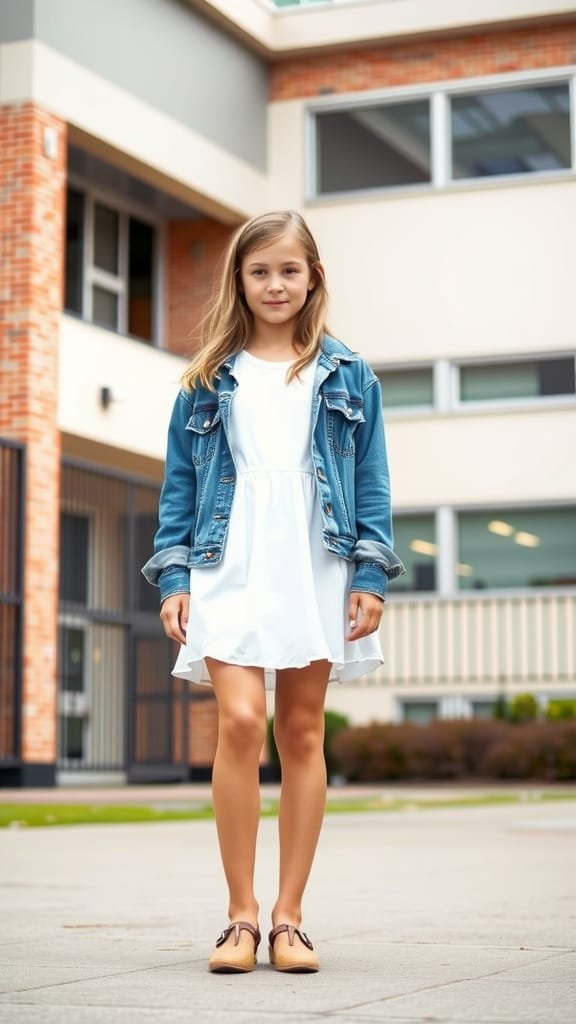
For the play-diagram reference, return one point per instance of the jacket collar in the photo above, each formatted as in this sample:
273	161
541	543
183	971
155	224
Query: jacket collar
335	351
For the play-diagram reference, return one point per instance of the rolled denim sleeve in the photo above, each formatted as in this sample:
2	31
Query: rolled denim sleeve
376	561
168	566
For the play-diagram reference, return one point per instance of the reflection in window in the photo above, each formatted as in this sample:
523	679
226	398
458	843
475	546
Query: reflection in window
511	131
415	543
517	548
407	387
373	147
140	277
519	379
74	268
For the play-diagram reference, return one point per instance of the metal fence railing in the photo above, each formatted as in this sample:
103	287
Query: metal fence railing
11	563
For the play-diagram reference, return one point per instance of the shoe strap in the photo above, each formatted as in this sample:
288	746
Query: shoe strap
237	927
292	931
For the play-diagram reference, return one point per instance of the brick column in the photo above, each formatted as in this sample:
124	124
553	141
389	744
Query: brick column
32	194
194	251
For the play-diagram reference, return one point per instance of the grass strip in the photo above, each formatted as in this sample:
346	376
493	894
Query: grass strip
49	815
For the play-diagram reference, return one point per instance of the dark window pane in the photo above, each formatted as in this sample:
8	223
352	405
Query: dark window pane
419	711
517	548
74	269
104	307
72	658
74	531
71	738
407	387
521	379
373	147
140	279
106	238
415	541
511	131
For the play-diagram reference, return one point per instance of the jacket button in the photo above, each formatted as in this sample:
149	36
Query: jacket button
206	424
209	554
320	474
349	411
328	510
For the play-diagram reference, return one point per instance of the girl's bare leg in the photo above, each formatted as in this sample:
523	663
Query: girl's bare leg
299	735
235	779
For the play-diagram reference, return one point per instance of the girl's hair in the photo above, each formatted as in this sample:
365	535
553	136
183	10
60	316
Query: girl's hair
227	326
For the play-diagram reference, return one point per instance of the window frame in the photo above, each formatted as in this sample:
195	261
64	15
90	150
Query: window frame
457	404
418	410
438	94
118	284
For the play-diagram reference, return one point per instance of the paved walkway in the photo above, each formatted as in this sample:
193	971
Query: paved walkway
465	916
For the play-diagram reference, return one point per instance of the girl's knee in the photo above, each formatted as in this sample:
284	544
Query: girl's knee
299	737
244	728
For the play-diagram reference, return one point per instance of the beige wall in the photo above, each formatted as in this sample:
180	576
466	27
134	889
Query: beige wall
144	379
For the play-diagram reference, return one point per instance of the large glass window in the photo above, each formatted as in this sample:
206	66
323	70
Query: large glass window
511	131
415	543
74	558
407	387
511	547
518	379
373	147
116	288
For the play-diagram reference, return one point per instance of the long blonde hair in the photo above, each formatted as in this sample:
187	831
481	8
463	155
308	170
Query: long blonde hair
226	327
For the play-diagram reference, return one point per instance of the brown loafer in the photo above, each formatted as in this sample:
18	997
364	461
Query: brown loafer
300	959
239	956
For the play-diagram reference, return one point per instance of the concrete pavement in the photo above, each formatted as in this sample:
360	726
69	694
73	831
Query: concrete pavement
464	915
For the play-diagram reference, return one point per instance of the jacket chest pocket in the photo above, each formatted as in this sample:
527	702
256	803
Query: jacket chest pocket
343	414
205	426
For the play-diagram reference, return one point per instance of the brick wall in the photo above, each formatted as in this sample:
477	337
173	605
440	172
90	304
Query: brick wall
194	250
430	60
31	239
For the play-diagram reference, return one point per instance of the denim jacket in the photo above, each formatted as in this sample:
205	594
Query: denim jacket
350	463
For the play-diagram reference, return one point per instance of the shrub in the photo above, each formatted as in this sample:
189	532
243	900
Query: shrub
523	708
457	749
558	710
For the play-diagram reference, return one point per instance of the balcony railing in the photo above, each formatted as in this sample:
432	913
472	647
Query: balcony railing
486	639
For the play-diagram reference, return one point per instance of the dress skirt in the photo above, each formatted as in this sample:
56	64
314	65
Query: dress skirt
278	599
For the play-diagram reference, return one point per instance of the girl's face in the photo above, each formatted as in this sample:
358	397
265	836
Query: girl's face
276	280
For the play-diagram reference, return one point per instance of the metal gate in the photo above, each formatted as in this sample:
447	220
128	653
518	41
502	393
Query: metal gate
11	563
119	708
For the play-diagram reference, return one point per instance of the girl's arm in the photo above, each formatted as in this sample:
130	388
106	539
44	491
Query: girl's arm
376	562
168	567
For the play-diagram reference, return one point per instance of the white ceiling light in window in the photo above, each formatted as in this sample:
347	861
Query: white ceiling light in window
423	547
528	540
500	527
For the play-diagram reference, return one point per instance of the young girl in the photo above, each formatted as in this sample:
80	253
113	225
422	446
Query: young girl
273	553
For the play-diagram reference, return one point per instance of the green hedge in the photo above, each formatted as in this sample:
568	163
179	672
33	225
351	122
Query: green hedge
457	749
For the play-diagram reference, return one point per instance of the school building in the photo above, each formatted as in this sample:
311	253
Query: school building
431	145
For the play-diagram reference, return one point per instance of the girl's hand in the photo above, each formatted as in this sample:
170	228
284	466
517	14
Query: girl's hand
364	614
174	615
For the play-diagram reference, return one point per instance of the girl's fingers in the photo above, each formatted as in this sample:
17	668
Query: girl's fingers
174	615
367	614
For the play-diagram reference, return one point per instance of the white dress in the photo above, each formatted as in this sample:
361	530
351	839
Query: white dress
278	599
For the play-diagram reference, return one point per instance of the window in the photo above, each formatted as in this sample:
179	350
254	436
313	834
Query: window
373	147
514	547
74	538
517	379
110	258
511	131
419	711
415	542
410	387
451	134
